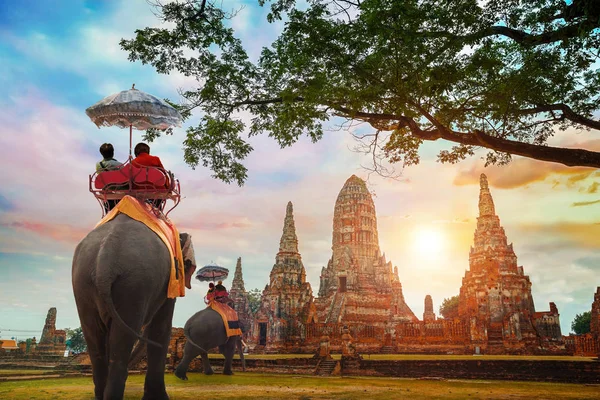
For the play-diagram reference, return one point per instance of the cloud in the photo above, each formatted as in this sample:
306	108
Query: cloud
453	221
523	171
567	234
238	223
58	232
5	204
584	203
593	188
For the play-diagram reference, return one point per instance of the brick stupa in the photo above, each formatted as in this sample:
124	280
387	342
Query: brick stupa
287	301
495	296
359	286
240	299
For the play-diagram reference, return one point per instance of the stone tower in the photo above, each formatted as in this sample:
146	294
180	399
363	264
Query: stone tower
359	285
287	301
595	321
428	315
49	328
240	299
53	341
495	296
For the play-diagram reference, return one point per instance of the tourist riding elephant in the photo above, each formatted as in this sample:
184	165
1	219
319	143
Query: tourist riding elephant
120	275
204	331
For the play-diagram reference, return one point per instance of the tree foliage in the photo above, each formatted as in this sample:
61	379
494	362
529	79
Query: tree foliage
449	307
504	75
581	323
75	340
254	297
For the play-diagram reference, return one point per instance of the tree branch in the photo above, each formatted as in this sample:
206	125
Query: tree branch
567	112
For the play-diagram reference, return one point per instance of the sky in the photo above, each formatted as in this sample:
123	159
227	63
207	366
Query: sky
58	58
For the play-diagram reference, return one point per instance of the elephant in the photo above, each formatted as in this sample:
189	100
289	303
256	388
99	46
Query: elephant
120	275
205	330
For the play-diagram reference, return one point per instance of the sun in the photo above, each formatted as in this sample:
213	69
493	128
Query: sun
429	241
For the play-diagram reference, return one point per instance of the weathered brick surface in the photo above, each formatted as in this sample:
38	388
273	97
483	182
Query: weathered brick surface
595	321
544	371
53	341
239	296
359	285
287	301
495	296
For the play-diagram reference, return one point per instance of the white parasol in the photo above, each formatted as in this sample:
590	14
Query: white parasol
134	109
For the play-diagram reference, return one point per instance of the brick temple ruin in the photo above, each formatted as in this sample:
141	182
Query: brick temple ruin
53	342
360	290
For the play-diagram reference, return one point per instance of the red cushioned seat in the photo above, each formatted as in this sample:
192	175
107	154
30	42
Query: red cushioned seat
130	177
105	179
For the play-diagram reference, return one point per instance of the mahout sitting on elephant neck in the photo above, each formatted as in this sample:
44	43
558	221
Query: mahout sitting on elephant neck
205	330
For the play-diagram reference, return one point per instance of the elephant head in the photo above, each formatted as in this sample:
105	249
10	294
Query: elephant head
189	259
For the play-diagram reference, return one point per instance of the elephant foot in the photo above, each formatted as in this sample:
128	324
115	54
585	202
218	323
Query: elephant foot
209	372
180	374
227	372
153	396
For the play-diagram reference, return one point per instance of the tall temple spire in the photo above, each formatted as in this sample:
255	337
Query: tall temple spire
486	203
289	240
238	279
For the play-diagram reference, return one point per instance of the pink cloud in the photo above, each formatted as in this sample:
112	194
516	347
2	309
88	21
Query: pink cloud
523	171
59	232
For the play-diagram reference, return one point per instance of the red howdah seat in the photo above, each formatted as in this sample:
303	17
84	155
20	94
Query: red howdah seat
140	182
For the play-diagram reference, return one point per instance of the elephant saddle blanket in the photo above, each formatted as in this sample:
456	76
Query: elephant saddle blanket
164	229
230	318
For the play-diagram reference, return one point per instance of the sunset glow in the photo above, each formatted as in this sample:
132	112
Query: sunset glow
429	242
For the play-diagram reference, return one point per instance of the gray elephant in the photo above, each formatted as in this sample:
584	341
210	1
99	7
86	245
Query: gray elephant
120	274
204	331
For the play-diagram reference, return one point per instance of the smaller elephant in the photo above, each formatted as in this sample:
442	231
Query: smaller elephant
204	331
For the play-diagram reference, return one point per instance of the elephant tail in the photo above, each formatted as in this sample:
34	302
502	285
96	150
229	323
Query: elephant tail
105	292
189	339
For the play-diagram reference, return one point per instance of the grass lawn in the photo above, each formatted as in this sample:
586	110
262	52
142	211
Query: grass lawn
270	386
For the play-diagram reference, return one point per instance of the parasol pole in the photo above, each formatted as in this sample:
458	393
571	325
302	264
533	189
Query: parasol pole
130	133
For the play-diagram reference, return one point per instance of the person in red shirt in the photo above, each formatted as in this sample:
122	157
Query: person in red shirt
143	157
210	295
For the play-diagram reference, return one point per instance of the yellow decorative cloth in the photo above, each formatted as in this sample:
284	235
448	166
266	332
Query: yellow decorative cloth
230	318
142	212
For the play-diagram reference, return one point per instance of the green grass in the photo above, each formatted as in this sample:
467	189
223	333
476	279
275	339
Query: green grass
271	386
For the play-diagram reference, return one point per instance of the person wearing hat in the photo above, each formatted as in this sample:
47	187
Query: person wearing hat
210	295
221	293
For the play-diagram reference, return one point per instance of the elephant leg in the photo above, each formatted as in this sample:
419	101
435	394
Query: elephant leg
159	330
189	353
228	349
96	337
206	364
120	345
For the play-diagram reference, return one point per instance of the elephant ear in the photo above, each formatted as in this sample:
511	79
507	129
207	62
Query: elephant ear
189	258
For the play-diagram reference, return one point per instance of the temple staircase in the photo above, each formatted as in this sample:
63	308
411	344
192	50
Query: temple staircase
325	367
336	308
494	333
387	350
